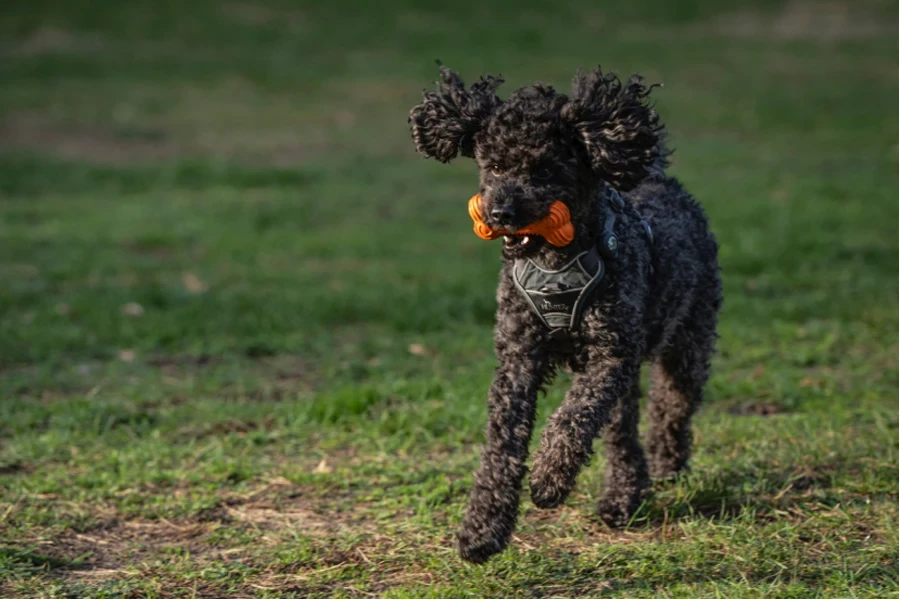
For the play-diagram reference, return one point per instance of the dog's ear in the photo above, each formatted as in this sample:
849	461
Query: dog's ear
446	121
620	130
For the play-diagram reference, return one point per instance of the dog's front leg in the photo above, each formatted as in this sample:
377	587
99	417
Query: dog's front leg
494	499
567	441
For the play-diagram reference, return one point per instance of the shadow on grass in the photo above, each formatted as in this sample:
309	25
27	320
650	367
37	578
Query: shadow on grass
735	492
27	561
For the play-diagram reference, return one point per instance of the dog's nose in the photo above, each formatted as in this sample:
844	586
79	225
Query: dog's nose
503	214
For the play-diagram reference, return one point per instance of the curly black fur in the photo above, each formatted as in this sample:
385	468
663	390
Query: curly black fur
621	132
660	304
444	124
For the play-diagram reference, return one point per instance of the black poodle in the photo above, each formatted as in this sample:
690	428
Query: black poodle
638	282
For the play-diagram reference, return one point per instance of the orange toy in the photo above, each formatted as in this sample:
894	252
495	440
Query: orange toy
556	227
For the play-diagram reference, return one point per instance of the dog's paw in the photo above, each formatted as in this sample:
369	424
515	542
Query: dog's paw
477	549
547	496
550	483
615	512
667	470
617	509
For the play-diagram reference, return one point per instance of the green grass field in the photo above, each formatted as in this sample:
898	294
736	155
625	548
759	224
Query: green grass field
245	331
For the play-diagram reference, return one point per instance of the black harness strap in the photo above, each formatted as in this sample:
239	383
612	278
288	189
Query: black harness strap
609	243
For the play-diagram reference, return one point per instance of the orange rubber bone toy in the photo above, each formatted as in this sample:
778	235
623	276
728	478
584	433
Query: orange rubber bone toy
556	227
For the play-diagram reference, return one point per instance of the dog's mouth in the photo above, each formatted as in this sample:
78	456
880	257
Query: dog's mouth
518	241
521	245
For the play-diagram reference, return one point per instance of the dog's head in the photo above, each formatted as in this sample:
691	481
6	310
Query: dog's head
539	146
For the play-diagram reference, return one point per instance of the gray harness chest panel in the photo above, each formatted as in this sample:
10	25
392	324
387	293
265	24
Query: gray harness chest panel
558	297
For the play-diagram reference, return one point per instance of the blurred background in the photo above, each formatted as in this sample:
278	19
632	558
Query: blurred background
245	331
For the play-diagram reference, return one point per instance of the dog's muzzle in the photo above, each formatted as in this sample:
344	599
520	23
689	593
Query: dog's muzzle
556	227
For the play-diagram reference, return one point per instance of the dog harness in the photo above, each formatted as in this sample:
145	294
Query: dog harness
558	296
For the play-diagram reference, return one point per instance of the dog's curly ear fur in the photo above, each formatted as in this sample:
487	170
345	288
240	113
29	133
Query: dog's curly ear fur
446	121
623	135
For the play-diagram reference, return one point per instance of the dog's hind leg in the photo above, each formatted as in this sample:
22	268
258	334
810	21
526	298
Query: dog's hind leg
626	481
678	376
567	442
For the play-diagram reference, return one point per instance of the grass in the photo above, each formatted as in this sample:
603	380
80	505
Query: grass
245	331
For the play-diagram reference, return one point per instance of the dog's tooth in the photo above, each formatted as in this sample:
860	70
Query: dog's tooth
507	238
524	240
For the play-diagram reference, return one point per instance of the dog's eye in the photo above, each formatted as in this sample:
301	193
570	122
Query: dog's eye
496	171
542	174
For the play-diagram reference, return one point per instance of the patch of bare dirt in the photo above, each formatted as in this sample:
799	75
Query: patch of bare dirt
275	508
285	388
759	409
282	377
86	142
271	394
281	504
269	517
291	370
15	468
386	559
117	542
233	426
183	360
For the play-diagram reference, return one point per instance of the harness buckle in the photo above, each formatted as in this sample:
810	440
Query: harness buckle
609	242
